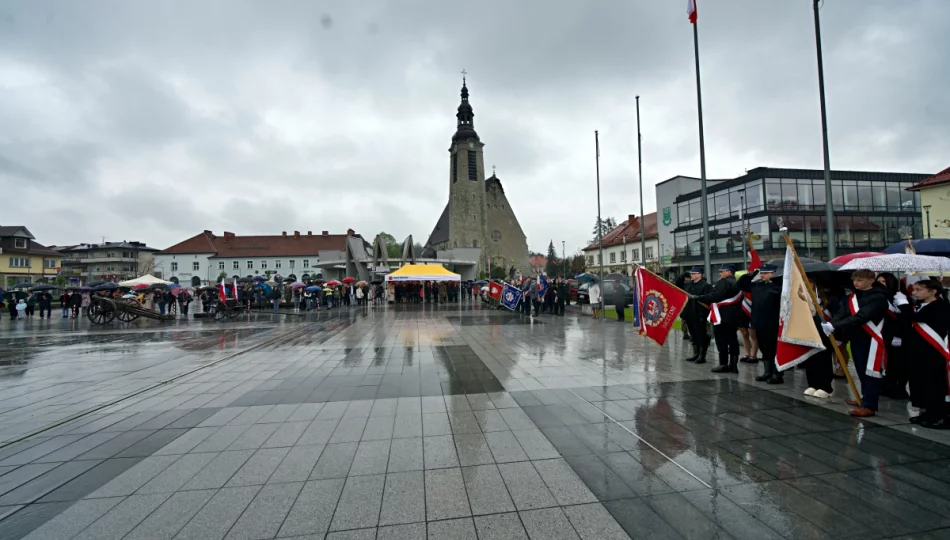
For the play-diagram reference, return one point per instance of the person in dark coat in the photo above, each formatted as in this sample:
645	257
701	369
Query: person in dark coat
563	295
766	302
896	321
725	302
925	346
819	370
861	322
695	315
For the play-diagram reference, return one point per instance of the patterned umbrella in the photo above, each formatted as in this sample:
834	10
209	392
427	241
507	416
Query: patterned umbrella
900	262
842	259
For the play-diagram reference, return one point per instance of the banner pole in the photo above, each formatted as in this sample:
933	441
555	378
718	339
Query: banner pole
814	301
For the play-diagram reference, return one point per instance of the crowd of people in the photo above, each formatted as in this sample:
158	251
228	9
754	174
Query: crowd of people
897	338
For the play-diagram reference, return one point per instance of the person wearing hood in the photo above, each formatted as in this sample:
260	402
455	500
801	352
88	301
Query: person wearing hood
861	322
725	302
694	314
766	303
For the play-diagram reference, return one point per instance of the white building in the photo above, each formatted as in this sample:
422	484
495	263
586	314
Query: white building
203	258
622	247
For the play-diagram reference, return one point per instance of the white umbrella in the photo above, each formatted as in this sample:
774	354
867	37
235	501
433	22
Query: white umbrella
900	262
147	279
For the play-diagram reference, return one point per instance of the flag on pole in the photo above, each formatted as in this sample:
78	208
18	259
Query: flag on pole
798	337
234	289
510	297
222	292
691	10
660	303
542	285
494	290
754	261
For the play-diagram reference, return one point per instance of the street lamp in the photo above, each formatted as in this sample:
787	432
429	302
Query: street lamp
927	210
564	256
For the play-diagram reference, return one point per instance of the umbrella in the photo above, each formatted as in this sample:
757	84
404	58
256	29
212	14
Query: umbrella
105	287
312	288
298	285
333	283
480	282
843	259
95	283
900	262
586	277
141	286
259	279
924	246
42	287
24	285
349	280
811	266
361	283
245	280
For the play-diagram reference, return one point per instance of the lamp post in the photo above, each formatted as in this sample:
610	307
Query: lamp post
927	210
564	256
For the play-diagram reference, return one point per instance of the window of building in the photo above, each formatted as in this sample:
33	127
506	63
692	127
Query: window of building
804	195
590	259
753	197
649	252
263	264
128	254
250	265
19	243
623	256
292	263
879	196
909	198
127	268
196	266
472	166
474	217
277	263
236	265
695	214
455	168
818	194
736	202
773	195
220	265
496	236
474	243
789	195
306	263
50	263
599	260
837	195
635	254
174	267
110	254
613	258
722	205
19	262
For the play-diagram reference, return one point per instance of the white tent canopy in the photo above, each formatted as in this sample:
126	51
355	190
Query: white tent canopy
147	279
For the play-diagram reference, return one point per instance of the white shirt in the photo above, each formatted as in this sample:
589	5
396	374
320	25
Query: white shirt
594	292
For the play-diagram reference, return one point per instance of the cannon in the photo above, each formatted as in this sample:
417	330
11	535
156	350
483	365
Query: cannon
104	310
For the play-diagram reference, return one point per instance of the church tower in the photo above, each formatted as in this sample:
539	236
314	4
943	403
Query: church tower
466	182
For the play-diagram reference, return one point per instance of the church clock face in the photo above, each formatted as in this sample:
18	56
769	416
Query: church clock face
471	145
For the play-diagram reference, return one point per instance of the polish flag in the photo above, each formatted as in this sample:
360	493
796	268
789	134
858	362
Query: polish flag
222	292
691	10
754	261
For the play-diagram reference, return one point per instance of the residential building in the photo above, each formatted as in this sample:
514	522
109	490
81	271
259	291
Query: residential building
872	211
203	258
112	261
622	247
23	259
935	204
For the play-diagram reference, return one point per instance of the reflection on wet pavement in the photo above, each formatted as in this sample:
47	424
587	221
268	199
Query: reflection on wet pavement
408	421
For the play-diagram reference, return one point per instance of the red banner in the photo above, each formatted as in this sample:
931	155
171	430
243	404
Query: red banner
494	290
660	304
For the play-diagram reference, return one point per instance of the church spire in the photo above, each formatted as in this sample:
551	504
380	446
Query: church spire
465	127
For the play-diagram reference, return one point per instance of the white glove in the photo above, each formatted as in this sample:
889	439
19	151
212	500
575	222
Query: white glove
900	299
827	328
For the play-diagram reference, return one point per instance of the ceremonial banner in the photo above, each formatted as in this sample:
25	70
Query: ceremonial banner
510	297
660	304
798	337
494	290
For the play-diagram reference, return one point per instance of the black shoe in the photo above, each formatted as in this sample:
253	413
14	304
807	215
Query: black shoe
764	377
733	364
700	360
721	368
776	379
695	355
749	360
939	423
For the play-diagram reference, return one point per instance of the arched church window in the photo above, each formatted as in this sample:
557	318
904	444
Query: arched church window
496	236
474	243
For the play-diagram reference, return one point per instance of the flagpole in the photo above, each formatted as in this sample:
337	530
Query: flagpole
600	224
643	242
829	211
814	302
702	153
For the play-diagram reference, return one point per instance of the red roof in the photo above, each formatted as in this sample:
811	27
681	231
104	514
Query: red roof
942	177
631	228
233	246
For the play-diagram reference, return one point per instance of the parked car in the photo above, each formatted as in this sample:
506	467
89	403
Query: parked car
609	290
583	295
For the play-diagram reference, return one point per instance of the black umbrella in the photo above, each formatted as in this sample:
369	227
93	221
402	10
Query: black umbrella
21	286
105	287
43	287
811	266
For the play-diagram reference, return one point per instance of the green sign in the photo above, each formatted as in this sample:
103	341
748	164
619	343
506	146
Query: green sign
666	260
667	216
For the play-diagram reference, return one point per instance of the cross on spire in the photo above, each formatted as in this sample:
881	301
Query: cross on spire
493	170
464	73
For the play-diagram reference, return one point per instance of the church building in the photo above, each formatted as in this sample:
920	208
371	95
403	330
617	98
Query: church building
478	214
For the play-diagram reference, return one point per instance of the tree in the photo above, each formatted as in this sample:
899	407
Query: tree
602	227
393	248
553	266
578	263
222	275
499	272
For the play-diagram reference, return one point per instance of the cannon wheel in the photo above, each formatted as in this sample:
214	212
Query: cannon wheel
233	312
126	316
98	315
220	312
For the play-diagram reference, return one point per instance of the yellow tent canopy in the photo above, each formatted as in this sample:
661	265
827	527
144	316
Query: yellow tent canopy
423	272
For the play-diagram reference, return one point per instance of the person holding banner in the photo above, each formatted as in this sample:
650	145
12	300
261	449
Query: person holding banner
695	315
725	302
863	328
928	356
766	302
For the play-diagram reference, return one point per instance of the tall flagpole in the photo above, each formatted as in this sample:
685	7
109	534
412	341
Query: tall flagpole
829	213
600	224
702	152
643	242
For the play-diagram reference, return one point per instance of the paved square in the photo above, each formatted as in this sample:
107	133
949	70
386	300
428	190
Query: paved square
445	422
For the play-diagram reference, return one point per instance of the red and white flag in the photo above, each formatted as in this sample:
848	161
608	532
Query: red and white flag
222	292
660	303
234	289
691	10
798	337
754	261
494	290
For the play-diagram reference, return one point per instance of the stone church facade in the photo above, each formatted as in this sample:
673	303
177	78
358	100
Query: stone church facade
478	214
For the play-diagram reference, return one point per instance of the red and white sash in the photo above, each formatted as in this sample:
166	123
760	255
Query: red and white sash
877	355
714	316
747	304
940	343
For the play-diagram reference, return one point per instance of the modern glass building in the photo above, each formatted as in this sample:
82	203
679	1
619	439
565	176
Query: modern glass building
870	208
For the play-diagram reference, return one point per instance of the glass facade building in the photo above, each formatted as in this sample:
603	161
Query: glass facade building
870	209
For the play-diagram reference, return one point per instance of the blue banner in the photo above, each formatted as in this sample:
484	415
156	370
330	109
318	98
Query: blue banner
510	297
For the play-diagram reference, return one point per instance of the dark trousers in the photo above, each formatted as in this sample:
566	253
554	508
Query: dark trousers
897	375
697	332
818	371
727	340
768	341
871	387
560	306
620	314
47	308
537	307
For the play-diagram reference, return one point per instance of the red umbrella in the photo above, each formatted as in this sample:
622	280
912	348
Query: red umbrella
349	280
843	259
141	286
333	283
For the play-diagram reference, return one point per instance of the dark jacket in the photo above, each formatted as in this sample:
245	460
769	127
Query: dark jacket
724	289
693	310
872	306
766	301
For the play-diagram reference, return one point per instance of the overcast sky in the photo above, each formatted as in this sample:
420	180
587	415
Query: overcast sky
152	121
